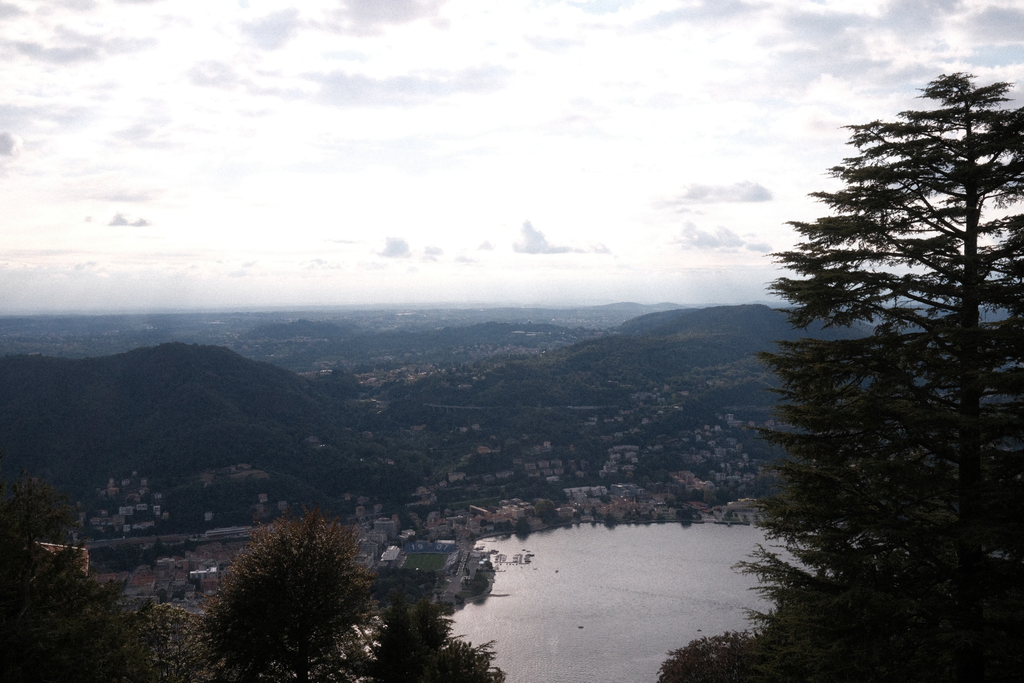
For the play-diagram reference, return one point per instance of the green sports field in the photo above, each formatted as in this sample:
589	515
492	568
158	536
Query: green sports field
428	562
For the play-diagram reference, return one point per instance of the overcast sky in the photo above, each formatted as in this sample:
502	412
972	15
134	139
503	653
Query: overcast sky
208	153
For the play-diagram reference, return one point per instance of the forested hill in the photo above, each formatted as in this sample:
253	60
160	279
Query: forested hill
169	412
754	325
185	416
706	357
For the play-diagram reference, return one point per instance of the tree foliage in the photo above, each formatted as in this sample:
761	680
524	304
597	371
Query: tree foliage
56	623
725	658
458	661
416	644
295	604
904	494
174	641
397	651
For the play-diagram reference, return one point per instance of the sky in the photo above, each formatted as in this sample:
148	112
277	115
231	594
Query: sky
217	154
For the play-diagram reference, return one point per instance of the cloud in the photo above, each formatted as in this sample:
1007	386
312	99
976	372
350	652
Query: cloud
486	246
81	5
213	73
550	44
918	16
396	247
718	194
464	259
431	253
274	30
10	144
58	55
704	12
344	89
9	10
71	47
133	196
1000	24
722	239
368	17
534	242
120	220
321	264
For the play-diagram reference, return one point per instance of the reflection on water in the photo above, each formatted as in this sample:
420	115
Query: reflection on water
599	605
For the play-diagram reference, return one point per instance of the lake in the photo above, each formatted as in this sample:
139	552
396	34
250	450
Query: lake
606	605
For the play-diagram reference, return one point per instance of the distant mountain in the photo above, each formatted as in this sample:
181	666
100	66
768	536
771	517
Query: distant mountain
758	323
83	336
304	345
302	329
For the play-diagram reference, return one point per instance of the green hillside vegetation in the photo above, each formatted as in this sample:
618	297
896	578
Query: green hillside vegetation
211	430
175	411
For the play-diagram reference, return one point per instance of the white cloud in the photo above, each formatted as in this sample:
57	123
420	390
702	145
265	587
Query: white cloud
10	144
8	10
273	30
213	73
119	219
65	46
534	242
396	247
369	17
346	89
697	193
722	239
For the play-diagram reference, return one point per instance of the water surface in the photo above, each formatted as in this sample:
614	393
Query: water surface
606	605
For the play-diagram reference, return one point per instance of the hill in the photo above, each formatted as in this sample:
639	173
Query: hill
211	430
756	324
174	412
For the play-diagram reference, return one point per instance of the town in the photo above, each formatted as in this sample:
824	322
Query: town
191	565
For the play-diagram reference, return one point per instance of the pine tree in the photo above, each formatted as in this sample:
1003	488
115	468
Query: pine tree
903	506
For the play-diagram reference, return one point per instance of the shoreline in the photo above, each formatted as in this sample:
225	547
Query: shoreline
684	522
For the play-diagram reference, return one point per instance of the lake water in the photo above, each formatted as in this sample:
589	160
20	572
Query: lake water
637	592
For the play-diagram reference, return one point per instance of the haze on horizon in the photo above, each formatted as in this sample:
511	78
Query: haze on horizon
197	155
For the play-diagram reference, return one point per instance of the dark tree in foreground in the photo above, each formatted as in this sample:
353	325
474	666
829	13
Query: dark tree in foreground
397	652
726	658
174	641
295	604
416	644
56	623
460	662
904	485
